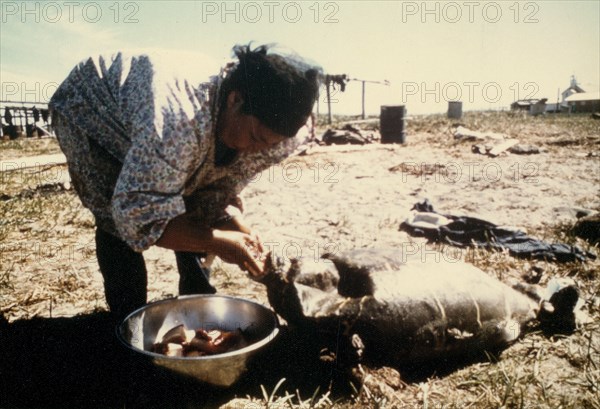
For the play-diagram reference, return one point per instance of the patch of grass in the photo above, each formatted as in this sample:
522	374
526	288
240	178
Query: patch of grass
15	144
279	400
544	130
5	276
219	270
20	147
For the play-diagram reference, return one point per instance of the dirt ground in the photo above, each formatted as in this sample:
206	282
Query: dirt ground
329	199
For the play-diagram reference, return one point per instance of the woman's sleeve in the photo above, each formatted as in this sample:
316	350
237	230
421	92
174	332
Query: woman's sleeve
148	192
167	124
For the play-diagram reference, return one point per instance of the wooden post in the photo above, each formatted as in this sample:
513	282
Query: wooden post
328	104
364	92
363	99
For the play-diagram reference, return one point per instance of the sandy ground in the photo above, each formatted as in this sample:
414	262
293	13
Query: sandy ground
329	199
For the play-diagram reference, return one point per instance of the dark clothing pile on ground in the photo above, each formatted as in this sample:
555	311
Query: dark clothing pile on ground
466	231
349	135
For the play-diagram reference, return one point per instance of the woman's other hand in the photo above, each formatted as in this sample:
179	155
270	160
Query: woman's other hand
238	248
237	223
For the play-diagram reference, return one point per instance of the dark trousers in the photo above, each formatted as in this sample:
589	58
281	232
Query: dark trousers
125	275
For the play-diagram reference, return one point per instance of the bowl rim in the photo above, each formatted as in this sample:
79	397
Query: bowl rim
250	348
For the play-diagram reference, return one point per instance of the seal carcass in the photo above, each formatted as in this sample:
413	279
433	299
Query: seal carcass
399	309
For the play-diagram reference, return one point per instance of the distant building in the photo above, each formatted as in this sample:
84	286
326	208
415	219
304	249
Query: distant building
574	99
553	107
584	102
573	89
533	106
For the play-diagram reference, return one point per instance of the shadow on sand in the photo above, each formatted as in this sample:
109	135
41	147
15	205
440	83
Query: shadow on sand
78	362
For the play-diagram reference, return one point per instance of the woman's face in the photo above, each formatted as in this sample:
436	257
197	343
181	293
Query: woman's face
243	132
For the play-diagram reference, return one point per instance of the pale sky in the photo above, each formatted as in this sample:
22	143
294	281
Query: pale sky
485	53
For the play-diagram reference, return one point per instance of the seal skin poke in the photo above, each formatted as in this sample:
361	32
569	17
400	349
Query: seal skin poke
396	310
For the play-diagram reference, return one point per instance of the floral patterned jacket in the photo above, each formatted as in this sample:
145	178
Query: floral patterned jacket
140	145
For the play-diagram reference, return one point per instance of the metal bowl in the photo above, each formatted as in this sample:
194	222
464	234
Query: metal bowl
141	329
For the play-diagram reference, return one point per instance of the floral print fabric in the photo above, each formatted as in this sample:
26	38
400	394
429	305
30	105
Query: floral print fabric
140	144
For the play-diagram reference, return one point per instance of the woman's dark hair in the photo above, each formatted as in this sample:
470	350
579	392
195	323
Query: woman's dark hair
279	91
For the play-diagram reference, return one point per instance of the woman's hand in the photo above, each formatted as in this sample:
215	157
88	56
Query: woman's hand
238	248
237	223
229	241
